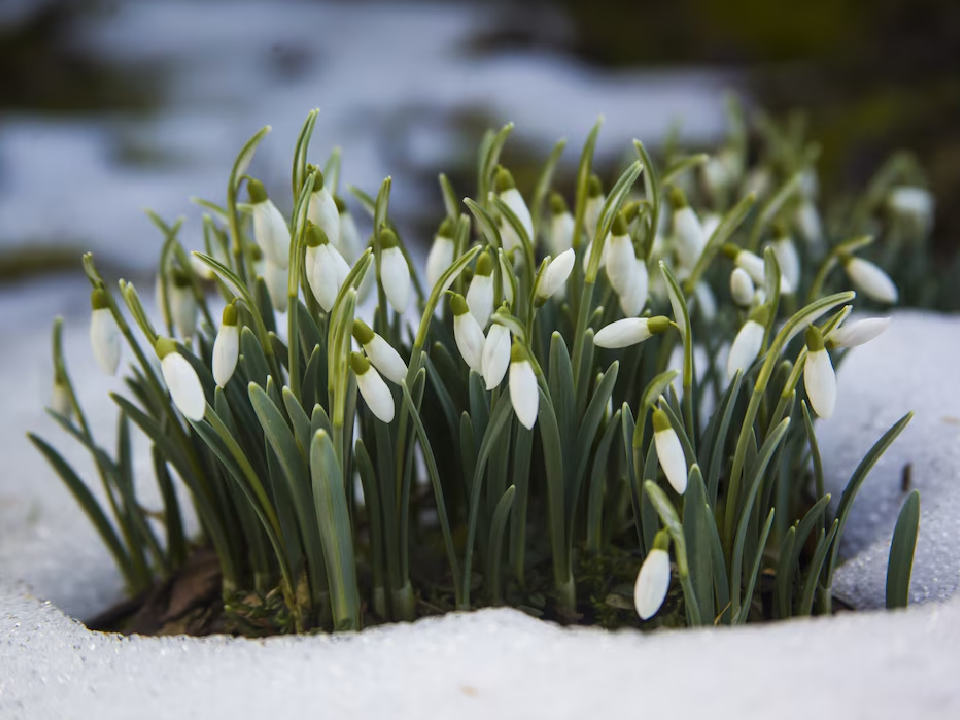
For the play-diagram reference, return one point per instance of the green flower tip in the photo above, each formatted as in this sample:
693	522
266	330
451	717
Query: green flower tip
731	251
318	180
315	236
503	180
661	422
388	238
230	315
256	191
362	332
341	205
458	305
256	253
760	315
658	324
677	198
484	264
359	364
99	300
180	278
630	211
594	187
619	225
813	339
558	205
661	541
164	346
447	228
518	353
780	231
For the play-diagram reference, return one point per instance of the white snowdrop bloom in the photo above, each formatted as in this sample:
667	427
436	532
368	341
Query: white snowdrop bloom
914	204
603	254
275	278
561	225
467	333
507	189
326	269
753	264
182	381
807	220
60	398
788	259
480	292
554	278
201	269
382	354
394	271
858	332
349	241
226	347
741	287
758	181
372	388
669	451
619	256
705	300
183	305
630	331
269	228
496	355
322	211
593	206
634	299
441	253
505	274
687	231
716	175
870	280
104	333
819	379
524	392
709	224
653	581
746	345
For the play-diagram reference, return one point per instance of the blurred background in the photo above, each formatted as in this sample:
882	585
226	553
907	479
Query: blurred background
111	106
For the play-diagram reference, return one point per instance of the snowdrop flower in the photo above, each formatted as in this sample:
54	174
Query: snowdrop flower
807	220
754	266
181	379
496	355
201	269
226	347
183	304
561	225
269	228
630	331
60	401
669	451
349	239
505	274
741	287
705	300
322	211
787	258
857	332
326	268
554	278
686	230
870	280
441	253
382	354
709	224
653	581
819	380
619	256
748	342
275	278
757	181
634	299
603	254
394	271
507	189
914	204
594	205
716	175
480	293
104	333
467	333
524	392
374	390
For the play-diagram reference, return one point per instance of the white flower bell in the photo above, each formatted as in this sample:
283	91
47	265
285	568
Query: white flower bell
554	278
748	342
441	253
524	391
635	298
322	211
687	231
913	204
382	354
819	379
326	269
857	332
507	189
561	225
754	266
275	278
630	331
669	451
394	271
653	580
349	241
741	287
593	206
870	280
467	333
269	228
496	355
60	401
619	253
182	381
480	292
226	347
372	388
807	220
104	333
787	258
183	303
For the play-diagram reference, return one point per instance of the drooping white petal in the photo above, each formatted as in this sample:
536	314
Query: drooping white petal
741	287
820	382
688	235
554	278
870	280
508	236
561	232
480	298
591	214
705	300
395	276
184	386
349	242
201	269
671	458
788	259
745	348
376	394
183	308
327	275
634	299
505	273
858	332
623	333
275	278
914	204
514	200
603	254
106	340
271	233
470	341
524	393
386	359
708	225
439	259
620	264
226	350
652	584
60	399
496	356
752	264
322	212
807	220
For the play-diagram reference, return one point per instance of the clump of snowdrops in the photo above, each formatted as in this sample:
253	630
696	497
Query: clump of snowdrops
601	404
